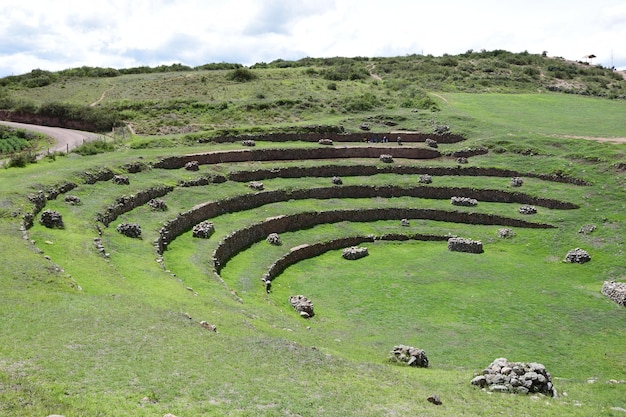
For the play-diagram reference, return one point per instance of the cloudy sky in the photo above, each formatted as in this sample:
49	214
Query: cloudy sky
60	34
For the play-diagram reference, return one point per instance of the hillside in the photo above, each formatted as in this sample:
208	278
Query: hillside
141	276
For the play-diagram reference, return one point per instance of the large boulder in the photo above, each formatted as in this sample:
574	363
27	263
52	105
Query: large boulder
354	252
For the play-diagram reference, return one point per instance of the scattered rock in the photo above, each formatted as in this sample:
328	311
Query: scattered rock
616	291
578	256
203	230
274	239
459	244
210	327
302	305
354	252
51	219
409	355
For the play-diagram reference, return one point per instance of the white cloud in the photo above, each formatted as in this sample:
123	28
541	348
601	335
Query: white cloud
118	33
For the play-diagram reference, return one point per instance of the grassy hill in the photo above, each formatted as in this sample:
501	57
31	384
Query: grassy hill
88	334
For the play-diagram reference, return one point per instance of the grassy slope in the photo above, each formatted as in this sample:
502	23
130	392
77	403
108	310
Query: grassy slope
120	345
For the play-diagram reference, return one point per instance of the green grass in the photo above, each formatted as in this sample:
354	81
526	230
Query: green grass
86	336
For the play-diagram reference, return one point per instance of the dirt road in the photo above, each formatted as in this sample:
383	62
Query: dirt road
64	139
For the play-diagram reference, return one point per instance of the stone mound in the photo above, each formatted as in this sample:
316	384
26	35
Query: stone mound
302	305
386	158
461	160
425	179
354	252
463	201
336	180
129	229
528	210
516	377
325	141
274	239
505	233
409	355
432	143
587	228
405	223
72	199
516	182
256	185
203	230
616	291
157	204
192	166
248	142
121	180
460	244
51	219
578	256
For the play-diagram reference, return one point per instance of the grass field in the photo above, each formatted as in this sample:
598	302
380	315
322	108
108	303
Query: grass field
83	335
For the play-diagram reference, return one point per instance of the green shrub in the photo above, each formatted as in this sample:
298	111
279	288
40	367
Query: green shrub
94	147
241	75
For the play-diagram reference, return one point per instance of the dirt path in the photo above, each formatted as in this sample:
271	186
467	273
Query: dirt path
64	139
104	94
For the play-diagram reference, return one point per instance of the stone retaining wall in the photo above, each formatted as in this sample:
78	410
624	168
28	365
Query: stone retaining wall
341	137
303	252
245	155
125	204
367	170
185	221
243	238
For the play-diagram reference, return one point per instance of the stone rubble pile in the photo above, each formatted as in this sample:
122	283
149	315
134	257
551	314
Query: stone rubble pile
463	201
386	158
97	241
302	305
460	244
51	219
461	160
409	355
203	230
431	143
72	199
425	179
325	141
157	204
336	180
192	166
405	223
587	228
121	180
354	252
516	377
528	210
505	233
516	182
274	239
616	291
256	185
248	142
129	230
578	256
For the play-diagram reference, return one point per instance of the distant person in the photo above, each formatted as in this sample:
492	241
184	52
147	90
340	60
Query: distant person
399	141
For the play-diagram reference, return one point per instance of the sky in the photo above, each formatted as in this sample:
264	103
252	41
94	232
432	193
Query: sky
61	34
